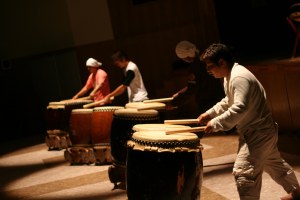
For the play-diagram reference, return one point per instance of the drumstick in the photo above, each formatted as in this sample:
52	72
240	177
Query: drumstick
96	103
182	121
158	100
82	98
189	130
151	107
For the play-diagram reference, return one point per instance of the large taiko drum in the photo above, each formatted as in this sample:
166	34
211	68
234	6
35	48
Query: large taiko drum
80	126
58	113
57	118
161	166
100	133
121	131
81	151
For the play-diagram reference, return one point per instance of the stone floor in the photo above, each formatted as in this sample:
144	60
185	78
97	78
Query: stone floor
28	170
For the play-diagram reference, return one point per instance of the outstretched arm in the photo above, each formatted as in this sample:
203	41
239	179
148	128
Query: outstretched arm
118	91
82	92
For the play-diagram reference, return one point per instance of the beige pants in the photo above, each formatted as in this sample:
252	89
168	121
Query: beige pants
258	152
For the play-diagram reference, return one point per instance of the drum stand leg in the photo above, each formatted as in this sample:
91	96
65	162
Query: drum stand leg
102	153
57	139
80	155
117	176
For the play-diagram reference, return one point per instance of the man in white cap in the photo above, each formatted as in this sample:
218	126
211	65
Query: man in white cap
206	89
97	82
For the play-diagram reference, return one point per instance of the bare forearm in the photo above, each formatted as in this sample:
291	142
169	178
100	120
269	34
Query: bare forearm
183	90
80	93
118	91
96	89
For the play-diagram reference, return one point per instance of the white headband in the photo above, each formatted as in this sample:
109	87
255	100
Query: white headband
91	62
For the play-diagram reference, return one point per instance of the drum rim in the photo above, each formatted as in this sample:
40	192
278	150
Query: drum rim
192	141
107	108
168	144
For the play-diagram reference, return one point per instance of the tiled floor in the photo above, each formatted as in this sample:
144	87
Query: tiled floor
29	171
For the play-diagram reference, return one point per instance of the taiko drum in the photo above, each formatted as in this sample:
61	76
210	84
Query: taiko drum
121	132
161	166
80	126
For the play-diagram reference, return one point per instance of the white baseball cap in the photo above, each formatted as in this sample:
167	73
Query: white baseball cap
185	49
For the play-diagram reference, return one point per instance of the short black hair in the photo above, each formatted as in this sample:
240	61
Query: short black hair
217	51
119	55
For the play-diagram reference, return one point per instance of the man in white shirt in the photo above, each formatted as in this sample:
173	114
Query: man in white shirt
245	106
133	80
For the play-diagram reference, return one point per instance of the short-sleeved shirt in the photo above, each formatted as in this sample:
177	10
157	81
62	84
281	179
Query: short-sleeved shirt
136	89
100	78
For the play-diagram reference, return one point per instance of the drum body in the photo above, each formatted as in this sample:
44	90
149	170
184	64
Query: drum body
121	132
100	133
101	123
56	117
58	113
80	126
163	166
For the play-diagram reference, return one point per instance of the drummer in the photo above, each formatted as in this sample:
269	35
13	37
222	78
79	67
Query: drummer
132	81
97	82
206	88
246	107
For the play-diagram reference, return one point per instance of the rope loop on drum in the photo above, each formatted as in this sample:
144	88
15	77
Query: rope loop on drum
169	144
137	118
107	108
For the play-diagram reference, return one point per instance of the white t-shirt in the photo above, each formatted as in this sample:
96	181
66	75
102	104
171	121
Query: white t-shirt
136	89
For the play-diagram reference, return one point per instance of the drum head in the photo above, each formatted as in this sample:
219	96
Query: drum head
56	105
159	141
161	136
144	106
64	104
131	112
157	127
82	110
